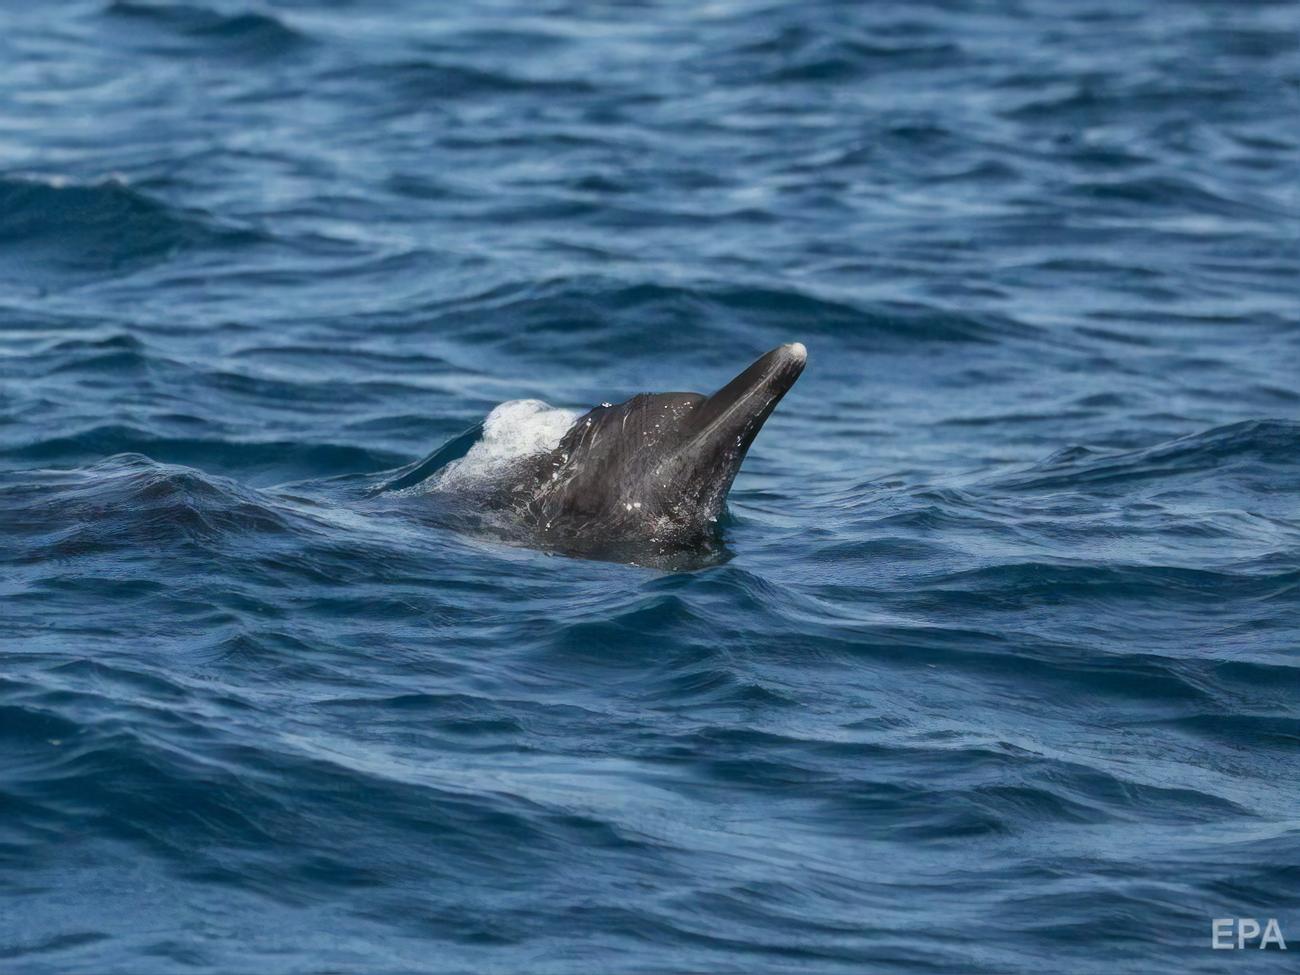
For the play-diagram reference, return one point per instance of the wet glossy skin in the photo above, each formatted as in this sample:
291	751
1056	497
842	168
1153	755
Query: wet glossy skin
658	466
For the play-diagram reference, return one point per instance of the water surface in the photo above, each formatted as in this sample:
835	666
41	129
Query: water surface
999	672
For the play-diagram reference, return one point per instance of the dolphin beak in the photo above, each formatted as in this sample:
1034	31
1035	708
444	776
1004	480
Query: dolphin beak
740	407
727	422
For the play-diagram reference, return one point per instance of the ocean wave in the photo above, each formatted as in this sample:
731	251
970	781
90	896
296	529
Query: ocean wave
812	53
203	30
1237	451
128	500
1025	585
841	61
1165	194
575	314
155	767
426	83
255	460
51	228
1100	103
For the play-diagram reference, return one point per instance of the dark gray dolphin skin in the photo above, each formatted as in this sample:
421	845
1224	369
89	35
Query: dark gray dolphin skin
643	481
657	467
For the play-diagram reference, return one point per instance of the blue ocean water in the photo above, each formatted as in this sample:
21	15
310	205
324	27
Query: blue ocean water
1000	668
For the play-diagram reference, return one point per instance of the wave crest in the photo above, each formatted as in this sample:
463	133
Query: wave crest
53	226
203	30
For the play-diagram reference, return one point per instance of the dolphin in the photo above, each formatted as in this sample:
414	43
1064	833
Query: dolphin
651	471
658	465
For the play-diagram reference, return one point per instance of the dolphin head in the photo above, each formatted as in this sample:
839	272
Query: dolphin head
659	465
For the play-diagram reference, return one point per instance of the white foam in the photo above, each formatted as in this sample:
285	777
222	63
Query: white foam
513	431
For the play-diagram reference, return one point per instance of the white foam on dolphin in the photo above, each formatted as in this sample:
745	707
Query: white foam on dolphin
513	431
